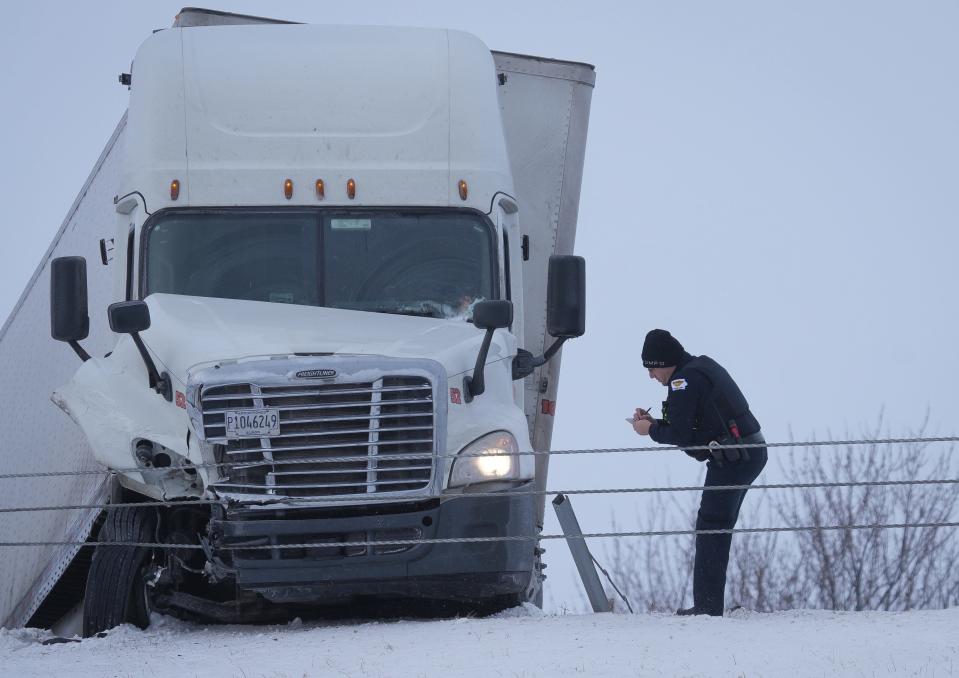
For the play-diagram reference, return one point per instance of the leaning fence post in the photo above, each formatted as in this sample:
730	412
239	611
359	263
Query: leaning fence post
581	555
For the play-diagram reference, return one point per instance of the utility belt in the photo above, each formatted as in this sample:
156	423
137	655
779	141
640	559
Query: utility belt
720	453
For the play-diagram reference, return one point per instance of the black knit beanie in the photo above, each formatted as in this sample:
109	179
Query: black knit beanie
661	349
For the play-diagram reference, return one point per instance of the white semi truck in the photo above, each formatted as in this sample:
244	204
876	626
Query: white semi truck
337	266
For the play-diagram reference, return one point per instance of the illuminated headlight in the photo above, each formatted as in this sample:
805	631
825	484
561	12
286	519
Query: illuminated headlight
490	458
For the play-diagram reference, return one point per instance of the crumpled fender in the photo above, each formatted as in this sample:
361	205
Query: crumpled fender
115	408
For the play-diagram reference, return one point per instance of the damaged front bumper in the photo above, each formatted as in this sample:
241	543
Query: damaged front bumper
330	573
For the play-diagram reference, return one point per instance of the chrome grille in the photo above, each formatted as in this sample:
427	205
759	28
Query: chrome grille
355	423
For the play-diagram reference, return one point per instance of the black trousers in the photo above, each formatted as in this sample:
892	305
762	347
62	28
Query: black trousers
719	510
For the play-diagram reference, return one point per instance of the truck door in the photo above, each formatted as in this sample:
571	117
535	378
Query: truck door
511	273
125	255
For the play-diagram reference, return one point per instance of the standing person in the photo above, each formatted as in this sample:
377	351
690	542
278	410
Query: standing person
704	405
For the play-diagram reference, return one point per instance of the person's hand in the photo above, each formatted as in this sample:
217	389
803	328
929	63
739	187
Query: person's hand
643	414
642	426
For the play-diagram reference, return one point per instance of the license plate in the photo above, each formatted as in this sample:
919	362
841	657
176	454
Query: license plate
263	423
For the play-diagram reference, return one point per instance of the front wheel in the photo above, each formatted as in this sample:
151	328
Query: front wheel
533	593
116	591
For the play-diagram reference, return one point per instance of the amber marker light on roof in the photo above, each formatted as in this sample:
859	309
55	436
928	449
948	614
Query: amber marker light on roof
174	189
464	190
350	189
320	189
288	188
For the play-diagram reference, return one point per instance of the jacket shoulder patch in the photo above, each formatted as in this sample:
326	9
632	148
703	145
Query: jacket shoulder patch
678	384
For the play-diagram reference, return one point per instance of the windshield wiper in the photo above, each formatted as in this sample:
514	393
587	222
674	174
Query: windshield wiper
419	312
424	310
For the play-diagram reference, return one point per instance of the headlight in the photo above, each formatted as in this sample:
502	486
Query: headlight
487	459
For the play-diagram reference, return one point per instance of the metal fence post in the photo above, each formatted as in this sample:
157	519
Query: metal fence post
581	555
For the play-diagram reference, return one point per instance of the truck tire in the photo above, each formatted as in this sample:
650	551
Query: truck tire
116	591
532	594
537	598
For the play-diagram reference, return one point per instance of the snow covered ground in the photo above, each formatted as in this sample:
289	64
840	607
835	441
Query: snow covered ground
518	643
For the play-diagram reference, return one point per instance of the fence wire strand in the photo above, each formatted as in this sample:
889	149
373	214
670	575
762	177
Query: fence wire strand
548	453
293	502
474	540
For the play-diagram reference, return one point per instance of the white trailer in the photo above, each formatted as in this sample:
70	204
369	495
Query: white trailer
293	225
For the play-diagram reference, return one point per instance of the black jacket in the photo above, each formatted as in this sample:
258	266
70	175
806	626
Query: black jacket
701	398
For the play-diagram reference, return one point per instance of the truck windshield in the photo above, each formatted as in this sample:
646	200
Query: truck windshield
434	264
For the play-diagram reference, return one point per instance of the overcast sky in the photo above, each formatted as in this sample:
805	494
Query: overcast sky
775	183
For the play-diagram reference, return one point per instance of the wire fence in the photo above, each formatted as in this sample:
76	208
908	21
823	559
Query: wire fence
463	455
482	540
293	502
363	500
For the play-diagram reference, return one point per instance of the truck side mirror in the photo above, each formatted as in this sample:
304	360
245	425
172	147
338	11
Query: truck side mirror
69	318
566	297
133	317
127	317
488	315
492	315
565	310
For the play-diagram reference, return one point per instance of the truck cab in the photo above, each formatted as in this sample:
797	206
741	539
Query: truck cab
328	378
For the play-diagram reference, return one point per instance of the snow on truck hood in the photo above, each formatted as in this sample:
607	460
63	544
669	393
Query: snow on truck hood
189	331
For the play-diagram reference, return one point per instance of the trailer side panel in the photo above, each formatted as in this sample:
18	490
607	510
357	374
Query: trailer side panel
545	108
35	436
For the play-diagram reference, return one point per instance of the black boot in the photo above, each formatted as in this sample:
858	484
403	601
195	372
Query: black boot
690	611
